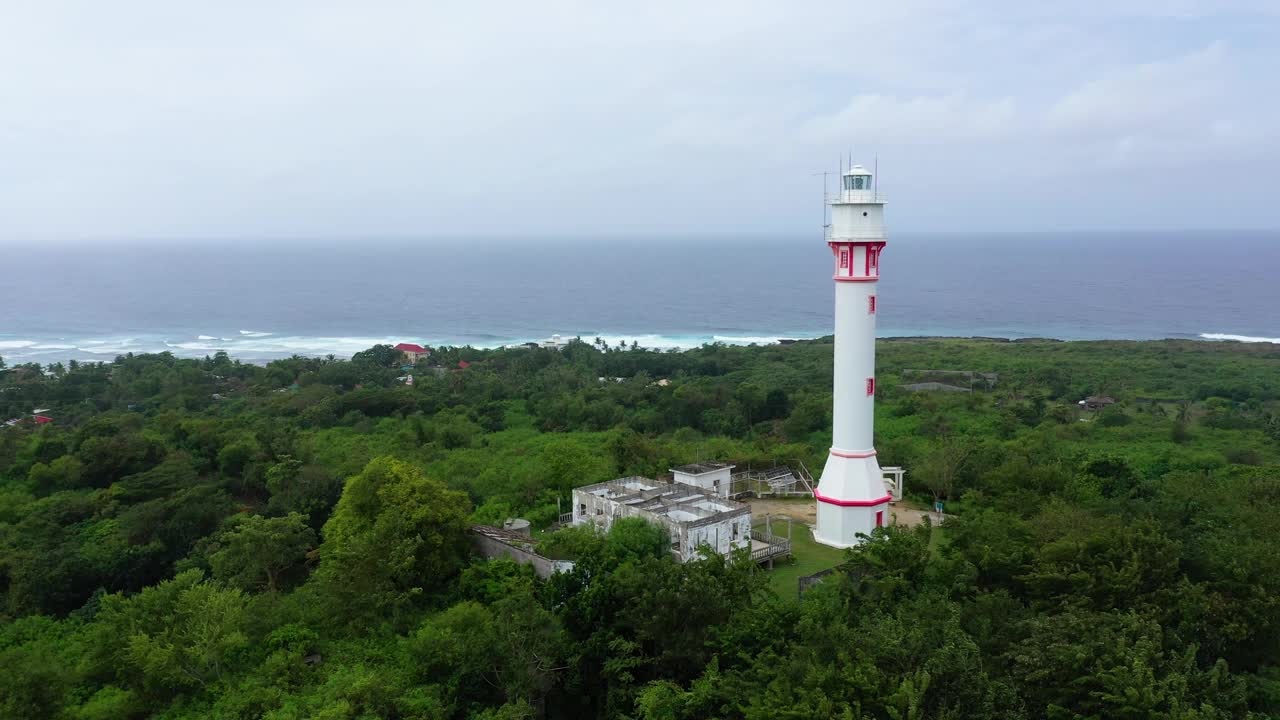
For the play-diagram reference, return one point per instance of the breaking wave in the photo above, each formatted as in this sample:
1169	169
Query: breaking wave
112	349
683	342
253	345
16	344
747	340
1239	338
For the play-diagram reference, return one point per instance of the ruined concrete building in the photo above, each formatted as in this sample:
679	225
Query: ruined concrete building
693	516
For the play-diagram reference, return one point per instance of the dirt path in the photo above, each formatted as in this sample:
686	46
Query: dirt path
909	516
798	509
806	511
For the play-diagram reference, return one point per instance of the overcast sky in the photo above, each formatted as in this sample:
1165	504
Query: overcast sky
171	120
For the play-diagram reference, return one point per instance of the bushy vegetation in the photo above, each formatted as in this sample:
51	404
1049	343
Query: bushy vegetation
210	539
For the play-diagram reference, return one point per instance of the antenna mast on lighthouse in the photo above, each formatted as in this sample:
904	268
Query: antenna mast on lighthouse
825	174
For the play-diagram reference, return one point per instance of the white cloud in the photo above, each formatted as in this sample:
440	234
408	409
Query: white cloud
920	120
1201	107
406	118
1176	92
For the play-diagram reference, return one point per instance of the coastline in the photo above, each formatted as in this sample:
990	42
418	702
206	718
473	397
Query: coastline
261	302
259	347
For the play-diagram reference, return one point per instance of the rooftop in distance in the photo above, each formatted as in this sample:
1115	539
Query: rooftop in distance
700	468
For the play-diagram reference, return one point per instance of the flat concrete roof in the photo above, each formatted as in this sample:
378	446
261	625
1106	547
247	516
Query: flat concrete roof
701	468
676	502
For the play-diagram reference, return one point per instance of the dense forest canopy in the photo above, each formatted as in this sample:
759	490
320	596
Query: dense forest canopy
213	539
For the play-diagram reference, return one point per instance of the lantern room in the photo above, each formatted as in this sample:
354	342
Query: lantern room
857	178
857	211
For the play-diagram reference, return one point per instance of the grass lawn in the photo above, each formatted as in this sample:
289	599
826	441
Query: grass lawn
808	558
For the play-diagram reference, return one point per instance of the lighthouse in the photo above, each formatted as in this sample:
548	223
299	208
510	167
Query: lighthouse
851	494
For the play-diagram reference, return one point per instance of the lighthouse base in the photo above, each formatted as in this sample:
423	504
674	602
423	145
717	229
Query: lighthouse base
851	498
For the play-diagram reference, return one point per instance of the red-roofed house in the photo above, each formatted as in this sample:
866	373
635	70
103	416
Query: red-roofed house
463	364
413	353
42	419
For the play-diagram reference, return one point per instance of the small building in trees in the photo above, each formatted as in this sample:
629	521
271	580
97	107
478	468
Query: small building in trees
933	387
1097	402
555	342
694	517
413	353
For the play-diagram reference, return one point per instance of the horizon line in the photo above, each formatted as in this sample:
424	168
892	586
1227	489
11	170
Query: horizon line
590	236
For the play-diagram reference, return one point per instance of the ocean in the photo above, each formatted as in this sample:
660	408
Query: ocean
264	300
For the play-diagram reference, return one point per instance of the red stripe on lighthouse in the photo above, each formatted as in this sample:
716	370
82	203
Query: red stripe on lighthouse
851	503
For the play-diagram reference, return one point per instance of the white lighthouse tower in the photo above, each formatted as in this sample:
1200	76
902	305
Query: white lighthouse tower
851	494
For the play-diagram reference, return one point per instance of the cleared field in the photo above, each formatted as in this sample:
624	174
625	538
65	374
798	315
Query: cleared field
803	511
809	556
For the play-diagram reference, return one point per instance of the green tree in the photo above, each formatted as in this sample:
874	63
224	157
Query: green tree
632	452
394	534
1081	665
570	463
177	635
379	355
62	474
776	405
256	552
308	489
942	467
512	651
811	413
109	458
109	703
33	682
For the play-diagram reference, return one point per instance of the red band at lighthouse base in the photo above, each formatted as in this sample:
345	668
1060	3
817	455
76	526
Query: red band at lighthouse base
851	503
853	456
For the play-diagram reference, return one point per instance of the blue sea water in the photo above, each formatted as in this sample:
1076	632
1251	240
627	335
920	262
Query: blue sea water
273	299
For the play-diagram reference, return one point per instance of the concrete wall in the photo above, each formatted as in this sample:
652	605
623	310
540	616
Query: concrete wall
603	511
490	548
588	508
717	533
